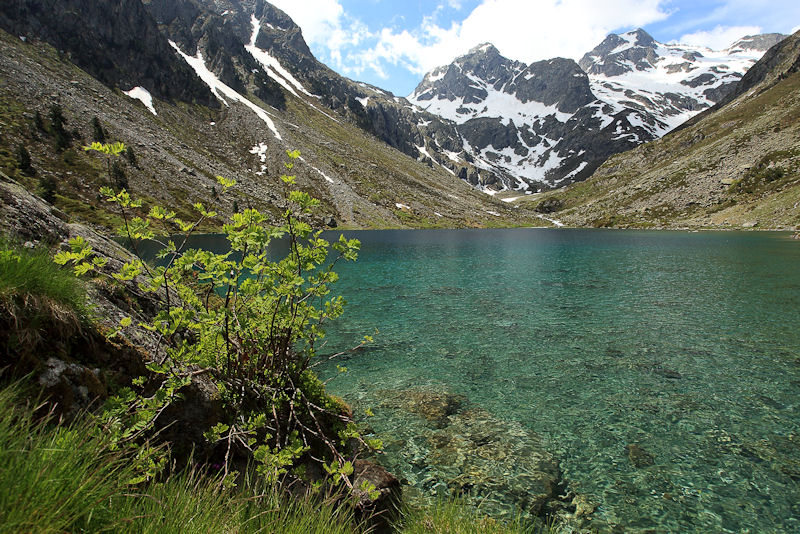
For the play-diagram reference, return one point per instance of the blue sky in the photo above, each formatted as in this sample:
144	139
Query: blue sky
392	44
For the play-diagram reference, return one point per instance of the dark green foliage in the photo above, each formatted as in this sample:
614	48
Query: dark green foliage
53	477
458	518
23	159
118	175
48	187
98	134
57	123
68	479
254	320
762	173
235	206
38	122
131	156
69	157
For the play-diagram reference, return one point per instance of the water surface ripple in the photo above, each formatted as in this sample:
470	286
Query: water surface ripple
685	345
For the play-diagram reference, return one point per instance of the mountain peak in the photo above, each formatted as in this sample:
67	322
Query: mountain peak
642	38
617	52
484	48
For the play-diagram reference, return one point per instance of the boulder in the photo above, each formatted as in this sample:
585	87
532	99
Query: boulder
381	508
638	456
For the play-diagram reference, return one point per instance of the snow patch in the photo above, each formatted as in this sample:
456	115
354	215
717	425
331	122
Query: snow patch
271	65
497	104
219	88
260	150
555	222
327	178
142	95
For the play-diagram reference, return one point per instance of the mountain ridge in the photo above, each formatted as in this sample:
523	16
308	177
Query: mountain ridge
611	101
498	125
181	146
736	165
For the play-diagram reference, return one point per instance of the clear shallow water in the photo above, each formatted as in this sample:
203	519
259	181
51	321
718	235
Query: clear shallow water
585	342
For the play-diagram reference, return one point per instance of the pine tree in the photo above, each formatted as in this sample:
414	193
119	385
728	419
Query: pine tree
57	122
98	134
131	157
38	122
23	159
118	175
48	188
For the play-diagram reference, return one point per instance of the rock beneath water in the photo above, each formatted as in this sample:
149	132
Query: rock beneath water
667	373
434	407
452	448
639	457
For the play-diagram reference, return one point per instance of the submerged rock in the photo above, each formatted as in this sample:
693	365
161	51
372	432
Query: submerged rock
667	373
434	407
639	457
453	448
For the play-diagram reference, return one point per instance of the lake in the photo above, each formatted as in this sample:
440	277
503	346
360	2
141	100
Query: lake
661	369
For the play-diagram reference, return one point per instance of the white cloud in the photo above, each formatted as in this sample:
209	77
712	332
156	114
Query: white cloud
317	18
719	38
326	24
524	30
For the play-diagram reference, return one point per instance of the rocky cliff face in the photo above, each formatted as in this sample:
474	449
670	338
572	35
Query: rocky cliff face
116	41
252	45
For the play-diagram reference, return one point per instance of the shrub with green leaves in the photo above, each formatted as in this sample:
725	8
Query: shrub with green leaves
253	321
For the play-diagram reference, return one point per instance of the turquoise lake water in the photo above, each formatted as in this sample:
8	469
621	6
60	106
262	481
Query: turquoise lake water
584	343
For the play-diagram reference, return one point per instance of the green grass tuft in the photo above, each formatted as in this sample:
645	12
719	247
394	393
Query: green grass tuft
454	517
53	478
66	479
32	273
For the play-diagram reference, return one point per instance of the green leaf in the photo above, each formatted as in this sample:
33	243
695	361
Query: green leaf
225	182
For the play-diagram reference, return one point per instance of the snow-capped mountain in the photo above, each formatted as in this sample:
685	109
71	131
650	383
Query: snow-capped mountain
490	121
534	126
671	82
553	122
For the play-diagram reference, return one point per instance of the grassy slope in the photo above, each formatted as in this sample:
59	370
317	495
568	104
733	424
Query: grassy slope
181	150
732	167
